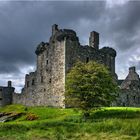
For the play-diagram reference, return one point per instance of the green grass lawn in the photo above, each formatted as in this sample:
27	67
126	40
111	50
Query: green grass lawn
112	123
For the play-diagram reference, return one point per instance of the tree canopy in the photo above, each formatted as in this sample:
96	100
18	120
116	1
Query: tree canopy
89	85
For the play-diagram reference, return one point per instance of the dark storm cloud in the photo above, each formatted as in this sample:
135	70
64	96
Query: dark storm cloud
23	25
125	22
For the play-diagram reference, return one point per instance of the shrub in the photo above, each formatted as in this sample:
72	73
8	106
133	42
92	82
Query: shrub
31	117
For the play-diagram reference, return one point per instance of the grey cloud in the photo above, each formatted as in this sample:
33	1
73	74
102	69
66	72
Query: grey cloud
124	22
23	25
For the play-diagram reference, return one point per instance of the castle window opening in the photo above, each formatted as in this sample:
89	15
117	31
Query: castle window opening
47	53
87	59
0	89
33	82
27	83
41	79
0	98
46	61
134	98
50	80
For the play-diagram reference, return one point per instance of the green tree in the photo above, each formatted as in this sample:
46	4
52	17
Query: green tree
89	85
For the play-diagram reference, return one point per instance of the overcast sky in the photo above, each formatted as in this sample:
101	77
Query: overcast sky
23	25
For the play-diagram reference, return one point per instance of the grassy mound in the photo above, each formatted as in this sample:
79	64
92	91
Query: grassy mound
67	124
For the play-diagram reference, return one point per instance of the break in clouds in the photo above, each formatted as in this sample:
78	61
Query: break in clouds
23	25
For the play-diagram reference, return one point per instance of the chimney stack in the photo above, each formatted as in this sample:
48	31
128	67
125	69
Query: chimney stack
9	83
94	40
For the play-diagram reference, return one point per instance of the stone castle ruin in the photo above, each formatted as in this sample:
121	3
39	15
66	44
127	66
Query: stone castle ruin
130	89
46	85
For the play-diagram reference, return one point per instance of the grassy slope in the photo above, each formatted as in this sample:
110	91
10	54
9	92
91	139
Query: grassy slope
67	124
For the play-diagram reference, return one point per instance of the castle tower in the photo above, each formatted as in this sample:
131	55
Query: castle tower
94	40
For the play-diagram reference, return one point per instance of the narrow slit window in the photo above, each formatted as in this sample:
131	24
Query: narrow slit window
47	62
87	59
134	97
27	83
41	79
33	82
127	97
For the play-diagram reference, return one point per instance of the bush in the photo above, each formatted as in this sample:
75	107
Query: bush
31	117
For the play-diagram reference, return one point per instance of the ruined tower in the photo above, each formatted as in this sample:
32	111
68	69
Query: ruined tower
46	86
